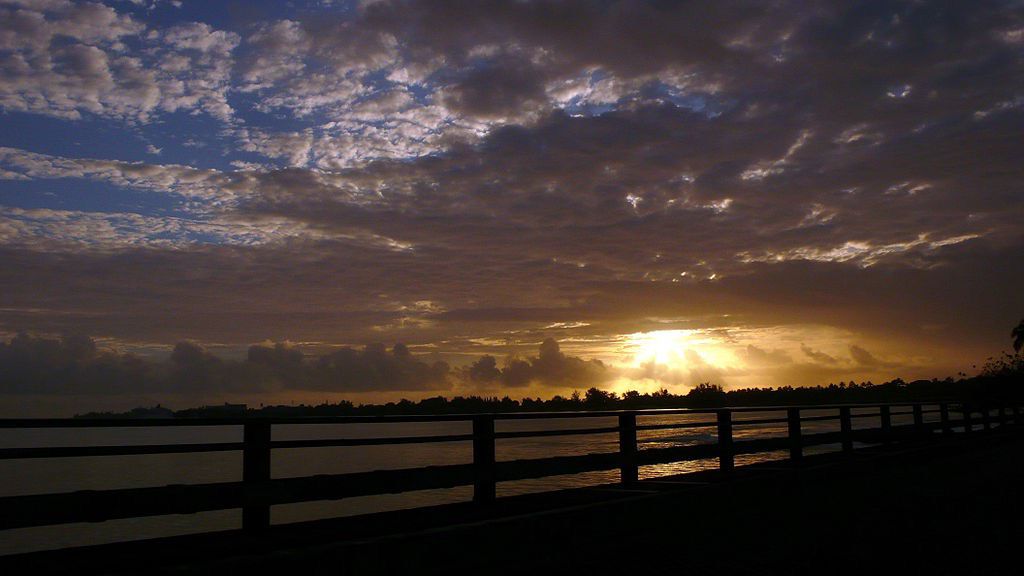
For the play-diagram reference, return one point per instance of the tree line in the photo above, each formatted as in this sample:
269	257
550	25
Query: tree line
985	389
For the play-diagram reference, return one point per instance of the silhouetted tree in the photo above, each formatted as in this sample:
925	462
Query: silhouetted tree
598	398
707	394
1018	337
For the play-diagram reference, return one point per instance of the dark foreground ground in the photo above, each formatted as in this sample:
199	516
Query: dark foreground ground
947	508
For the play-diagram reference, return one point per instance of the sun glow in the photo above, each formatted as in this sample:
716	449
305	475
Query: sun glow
679	349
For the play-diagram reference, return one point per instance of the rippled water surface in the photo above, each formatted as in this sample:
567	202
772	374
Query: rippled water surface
39	476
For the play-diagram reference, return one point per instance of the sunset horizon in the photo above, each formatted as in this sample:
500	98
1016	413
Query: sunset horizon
268	373
750	196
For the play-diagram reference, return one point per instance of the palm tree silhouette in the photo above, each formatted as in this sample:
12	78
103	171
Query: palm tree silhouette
1018	337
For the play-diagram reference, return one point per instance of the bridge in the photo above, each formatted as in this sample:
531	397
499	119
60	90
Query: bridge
963	446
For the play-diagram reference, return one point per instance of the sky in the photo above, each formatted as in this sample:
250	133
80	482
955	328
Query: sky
306	201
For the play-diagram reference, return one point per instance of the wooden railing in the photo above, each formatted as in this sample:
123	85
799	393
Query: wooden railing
258	491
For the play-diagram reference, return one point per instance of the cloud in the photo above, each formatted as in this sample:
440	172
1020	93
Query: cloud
816	355
376	369
195	69
303	67
613	166
485	370
215	188
194	370
761	356
73	365
67	230
523	180
294	147
279	366
67	59
70	365
551	367
864	358
502	89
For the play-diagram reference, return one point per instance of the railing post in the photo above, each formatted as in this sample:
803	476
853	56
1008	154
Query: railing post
944	418
1016	414
484	483
796	446
1002	417
968	425
886	418
255	470
846	428
918	420
725	454
986	421
627	449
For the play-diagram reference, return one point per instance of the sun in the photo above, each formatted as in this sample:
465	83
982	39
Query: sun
659	347
678	348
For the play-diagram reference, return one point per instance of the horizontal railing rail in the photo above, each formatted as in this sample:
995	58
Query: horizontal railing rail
256	492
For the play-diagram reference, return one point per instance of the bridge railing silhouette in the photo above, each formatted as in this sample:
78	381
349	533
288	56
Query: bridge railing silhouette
258	491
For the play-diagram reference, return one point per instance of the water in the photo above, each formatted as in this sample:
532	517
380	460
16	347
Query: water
39	476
